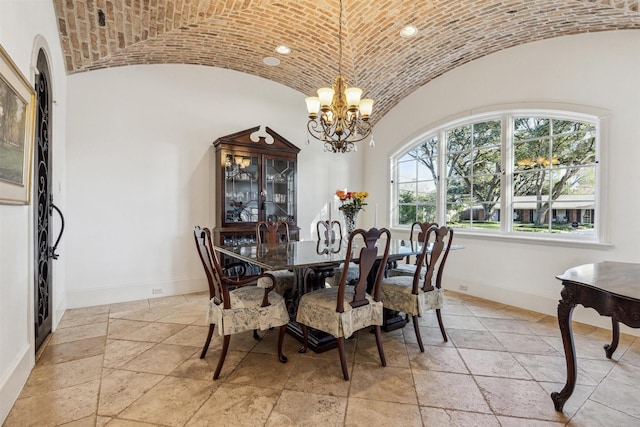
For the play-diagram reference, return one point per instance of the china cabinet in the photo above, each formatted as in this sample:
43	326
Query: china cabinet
255	180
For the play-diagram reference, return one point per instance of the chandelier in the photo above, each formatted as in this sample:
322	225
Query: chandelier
337	116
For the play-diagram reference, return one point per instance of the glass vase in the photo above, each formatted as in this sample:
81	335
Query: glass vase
350	222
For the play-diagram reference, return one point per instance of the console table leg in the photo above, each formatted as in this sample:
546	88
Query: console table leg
565	309
610	348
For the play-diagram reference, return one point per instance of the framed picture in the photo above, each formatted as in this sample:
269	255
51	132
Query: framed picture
17	111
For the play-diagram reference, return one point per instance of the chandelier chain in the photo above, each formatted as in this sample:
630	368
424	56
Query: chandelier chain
338	117
340	41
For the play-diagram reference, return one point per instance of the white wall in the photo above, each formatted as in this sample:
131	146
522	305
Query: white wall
140	171
26	26
591	70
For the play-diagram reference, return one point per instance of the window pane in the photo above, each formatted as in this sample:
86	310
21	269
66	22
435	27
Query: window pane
487	134
532	154
407	171
427	191
407	193
487	161
406	214
427	169
457	189
426	213
530	127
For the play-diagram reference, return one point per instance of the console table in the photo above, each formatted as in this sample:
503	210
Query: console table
613	290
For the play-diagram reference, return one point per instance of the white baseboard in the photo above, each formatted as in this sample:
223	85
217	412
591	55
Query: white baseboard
537	303
133	292
14	380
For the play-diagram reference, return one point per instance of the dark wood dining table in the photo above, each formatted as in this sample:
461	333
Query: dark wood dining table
313	261
612	289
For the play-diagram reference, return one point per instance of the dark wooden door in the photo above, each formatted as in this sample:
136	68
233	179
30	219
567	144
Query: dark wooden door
42	200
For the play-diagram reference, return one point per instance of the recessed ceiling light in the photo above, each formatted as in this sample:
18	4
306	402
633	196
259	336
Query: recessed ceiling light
283	50
408	31
271	61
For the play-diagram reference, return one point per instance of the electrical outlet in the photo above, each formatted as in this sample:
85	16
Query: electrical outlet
156	291
463	287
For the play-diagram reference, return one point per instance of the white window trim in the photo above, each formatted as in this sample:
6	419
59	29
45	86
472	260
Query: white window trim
598	116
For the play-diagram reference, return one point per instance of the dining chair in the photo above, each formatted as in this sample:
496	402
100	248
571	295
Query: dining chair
416	294
343	310
328	231
418	233
269	232
247	307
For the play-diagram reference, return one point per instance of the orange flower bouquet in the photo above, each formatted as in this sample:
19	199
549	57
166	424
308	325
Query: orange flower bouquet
352	202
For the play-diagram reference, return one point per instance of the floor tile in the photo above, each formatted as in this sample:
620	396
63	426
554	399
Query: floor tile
236	405
171	402
519	398
450	418
493	364
320	376
449	391
307	409
55	407
160	359
48	378
119	389
65	352
375	413
445	359
389	384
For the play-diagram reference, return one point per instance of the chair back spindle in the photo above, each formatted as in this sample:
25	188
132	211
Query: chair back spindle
367	262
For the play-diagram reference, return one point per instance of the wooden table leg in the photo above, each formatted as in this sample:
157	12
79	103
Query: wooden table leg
565	309
610	348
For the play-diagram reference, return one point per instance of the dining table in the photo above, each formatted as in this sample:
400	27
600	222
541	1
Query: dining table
313	261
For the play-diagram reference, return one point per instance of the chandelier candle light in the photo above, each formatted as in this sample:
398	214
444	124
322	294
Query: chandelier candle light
352	202
337	116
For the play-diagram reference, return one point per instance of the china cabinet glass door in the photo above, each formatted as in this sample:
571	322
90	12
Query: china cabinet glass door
241	188
280	184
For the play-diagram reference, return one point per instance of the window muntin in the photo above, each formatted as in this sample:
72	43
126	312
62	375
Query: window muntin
543	170
473	160
417	183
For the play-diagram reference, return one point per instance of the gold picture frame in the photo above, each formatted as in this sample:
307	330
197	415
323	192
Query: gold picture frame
17	120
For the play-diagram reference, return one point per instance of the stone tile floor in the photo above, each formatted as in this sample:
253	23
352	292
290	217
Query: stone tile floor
137	364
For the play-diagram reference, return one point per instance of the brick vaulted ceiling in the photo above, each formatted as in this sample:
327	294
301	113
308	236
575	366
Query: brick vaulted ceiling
238	34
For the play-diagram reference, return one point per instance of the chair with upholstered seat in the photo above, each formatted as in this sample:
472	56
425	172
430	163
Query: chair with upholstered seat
328	231
343	310
246	307
414	295
418	233
268	232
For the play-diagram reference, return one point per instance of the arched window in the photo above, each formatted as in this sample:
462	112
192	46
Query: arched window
526	173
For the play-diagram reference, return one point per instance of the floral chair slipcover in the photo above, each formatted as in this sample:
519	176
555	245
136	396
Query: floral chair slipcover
342	310
246	307
415	295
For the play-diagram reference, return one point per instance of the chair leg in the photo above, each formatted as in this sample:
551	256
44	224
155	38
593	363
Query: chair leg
383	360
281	356
223	355
418	336
255	335
343	358
208	341
305	339
444	334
